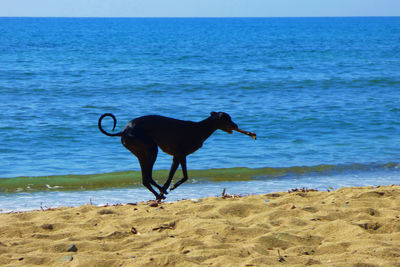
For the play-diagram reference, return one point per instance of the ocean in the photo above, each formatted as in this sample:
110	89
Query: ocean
322	94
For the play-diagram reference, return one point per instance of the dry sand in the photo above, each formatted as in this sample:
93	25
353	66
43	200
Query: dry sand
345	227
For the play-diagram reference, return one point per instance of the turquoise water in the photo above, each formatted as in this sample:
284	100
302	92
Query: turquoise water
317	91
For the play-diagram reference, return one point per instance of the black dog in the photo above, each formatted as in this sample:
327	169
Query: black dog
142	136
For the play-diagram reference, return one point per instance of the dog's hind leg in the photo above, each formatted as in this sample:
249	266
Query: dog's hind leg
146	151
184	171
146	164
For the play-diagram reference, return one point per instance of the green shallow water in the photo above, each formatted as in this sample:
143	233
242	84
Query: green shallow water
133	178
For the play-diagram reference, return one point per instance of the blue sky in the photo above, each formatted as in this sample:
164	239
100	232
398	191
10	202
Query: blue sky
198	8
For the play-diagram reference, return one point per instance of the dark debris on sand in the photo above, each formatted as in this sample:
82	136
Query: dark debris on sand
225	195
302	190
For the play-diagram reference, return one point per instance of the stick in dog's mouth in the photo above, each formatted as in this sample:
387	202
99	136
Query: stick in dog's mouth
251	134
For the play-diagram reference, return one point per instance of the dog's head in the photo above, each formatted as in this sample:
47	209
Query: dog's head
224	121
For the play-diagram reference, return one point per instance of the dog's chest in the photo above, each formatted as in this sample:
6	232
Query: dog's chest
181	147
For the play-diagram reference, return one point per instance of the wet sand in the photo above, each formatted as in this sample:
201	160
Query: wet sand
357	226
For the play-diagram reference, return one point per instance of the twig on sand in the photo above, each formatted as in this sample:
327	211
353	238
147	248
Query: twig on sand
45	208
223	192
281	259
165	226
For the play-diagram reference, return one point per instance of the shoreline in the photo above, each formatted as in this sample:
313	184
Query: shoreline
133	178
347	226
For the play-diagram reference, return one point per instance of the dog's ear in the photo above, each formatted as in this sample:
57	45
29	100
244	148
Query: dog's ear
214	114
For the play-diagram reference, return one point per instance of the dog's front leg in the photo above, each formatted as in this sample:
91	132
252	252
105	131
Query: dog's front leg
185	175
174	167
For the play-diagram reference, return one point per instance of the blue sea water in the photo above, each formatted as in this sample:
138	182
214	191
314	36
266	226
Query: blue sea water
317	91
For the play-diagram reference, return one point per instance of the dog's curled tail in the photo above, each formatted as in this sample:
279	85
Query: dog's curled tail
115	123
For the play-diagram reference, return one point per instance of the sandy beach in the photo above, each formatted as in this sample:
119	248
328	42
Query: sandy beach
344	227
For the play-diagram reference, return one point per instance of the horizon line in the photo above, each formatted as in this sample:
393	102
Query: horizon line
199	17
